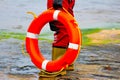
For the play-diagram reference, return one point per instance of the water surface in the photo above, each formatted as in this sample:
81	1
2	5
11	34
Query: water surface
88	13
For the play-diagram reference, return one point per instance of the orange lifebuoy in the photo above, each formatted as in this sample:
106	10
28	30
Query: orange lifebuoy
75	39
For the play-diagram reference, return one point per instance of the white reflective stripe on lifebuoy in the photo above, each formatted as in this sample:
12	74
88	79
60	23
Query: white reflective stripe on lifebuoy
44	64
32	35
73	46
55	15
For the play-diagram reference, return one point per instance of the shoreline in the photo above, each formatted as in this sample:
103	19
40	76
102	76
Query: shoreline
90	36
95	61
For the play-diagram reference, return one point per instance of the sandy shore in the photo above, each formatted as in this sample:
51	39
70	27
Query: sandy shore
112	36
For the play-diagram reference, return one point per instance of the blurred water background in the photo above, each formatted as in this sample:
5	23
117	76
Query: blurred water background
88	13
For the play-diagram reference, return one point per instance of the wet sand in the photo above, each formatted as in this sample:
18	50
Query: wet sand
96	62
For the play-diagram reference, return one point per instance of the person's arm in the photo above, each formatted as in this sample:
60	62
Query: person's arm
57	4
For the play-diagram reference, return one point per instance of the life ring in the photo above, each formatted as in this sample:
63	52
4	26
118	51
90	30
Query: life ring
74	43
